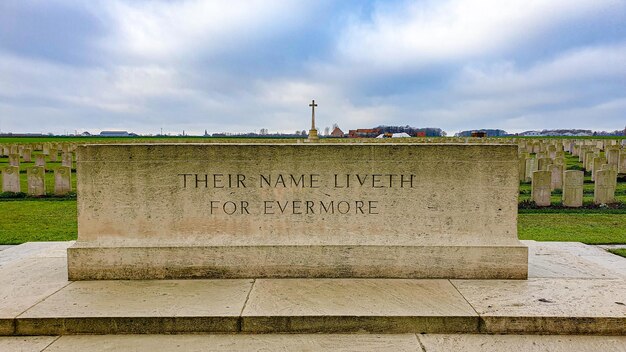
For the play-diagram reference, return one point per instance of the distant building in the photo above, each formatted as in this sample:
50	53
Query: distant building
364	133
337	133
114	134
479	134
530	133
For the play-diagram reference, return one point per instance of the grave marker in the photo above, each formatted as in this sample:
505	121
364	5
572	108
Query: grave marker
11	179
573	188
604	188
14	160
540	190
36	181
62	180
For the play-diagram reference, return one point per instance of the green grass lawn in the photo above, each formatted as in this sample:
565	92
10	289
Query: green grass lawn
37	220
594	228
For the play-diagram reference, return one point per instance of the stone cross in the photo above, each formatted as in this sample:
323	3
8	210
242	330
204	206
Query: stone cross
313	131
313	105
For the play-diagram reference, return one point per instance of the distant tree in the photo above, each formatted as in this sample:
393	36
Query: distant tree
335	125
326	131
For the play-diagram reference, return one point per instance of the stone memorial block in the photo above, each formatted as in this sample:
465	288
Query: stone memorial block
54	155
36	180
66	159
62	180
11	179
27	155
557	176
596	165
604	188
46	149
540	190
40	160
3	151
14	160
573	188
297	210
13	149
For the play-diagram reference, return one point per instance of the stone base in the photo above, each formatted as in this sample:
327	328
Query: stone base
101	262
572	289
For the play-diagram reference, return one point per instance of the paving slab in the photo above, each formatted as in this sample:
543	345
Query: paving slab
5	246
26	282
196	343
25	343
172	306
548	306
527	343
34	250
566	260
356	305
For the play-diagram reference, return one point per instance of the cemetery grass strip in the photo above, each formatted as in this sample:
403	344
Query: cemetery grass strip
37	220
619	251
573	227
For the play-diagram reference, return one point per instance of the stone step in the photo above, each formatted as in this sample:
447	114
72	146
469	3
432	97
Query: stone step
574	289
313	342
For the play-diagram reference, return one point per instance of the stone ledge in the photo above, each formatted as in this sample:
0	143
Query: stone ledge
459	262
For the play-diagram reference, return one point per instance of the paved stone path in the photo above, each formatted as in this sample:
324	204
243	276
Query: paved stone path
572	289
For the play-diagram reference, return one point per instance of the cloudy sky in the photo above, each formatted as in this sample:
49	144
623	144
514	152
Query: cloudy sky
233	65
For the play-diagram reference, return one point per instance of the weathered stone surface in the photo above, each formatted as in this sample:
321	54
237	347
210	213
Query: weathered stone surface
67	159
54	155
556	181
11	179
531	166
14	160
27	344
548	306
40	160
568	261
217	343
167	211
543	164
120	307
604	188
356	305
24	283
541	191
622	162
573	188
499	343
62	180
596	165
27	154
36	181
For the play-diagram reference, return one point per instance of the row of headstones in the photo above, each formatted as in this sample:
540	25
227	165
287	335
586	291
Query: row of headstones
35	177
40	159
572	190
